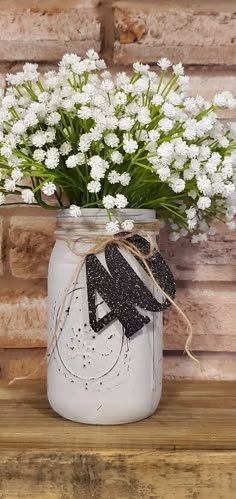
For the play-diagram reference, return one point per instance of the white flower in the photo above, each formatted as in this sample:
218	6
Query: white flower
75	160
107	85
153	135
169	110
84	113
141	68
6	150
178	69
165	150
157	100
2	198
75	211
125	179
164	173
85	142
19	127
65	148
116	158
192	222
91	54
193	151
30	119
126	123
97	172
191	213
113	227
130	145
114	177
121	201
111	140
52	158
204	202
108	202
178	185
128	225
49	188
53	119
39	139
225	99
204	185
39	155
94	186
9	185
164	63
16	174
181	148
120	99
27	196
143	115
166	125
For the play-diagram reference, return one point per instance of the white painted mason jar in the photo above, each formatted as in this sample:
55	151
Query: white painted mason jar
102	378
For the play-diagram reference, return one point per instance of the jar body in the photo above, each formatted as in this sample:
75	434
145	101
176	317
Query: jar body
104	378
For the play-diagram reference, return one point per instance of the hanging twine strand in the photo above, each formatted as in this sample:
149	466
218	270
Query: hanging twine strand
101	241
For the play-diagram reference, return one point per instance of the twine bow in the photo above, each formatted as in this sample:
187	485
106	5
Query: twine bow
121	240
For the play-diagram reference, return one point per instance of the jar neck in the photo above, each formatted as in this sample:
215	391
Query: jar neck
93	221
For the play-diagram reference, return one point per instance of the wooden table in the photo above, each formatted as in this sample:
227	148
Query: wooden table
187	450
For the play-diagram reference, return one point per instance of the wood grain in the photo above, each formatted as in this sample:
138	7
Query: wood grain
187	450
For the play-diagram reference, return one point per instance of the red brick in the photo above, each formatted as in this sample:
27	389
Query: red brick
45	30
191	32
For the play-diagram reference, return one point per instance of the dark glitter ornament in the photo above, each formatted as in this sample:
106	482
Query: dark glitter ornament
123	290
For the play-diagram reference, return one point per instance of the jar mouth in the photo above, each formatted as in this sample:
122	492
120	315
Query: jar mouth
90	213
94	220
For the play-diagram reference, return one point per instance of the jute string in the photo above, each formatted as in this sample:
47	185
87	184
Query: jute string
122	241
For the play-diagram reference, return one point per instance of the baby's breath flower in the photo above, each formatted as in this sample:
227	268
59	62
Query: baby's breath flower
130	145
2	198
178	69
75	211
49	188
164	63
127	225
126	123
116	158
204	202
16	174
94	186
169	149
39	155
75	160
121	201
65	148
125	179
113	227
28	196
111	140
52	158
108	202
9	185
114	177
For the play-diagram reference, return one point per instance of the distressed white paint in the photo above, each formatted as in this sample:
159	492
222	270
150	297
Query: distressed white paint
98	378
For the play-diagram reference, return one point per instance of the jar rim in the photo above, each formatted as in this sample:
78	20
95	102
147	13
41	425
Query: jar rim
102	212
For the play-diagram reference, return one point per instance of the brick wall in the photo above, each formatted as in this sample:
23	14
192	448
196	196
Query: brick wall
202	36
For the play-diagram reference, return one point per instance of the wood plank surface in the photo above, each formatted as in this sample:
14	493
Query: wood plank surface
187	450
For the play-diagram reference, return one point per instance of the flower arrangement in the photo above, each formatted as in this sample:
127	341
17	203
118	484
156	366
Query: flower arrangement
86	139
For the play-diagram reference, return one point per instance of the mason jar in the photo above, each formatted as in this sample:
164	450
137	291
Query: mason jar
99	377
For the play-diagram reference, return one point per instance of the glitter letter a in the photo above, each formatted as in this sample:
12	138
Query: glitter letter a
123	290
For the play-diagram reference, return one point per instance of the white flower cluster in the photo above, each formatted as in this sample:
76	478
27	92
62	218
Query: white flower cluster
136	141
